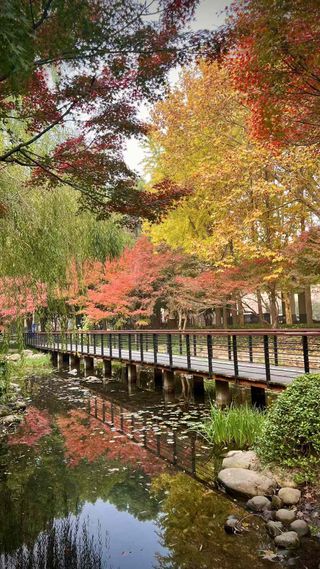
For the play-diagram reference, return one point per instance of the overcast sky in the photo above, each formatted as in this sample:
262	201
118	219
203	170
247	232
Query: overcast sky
209	15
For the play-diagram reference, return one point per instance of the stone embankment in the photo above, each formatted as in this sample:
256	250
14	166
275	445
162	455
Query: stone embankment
275	499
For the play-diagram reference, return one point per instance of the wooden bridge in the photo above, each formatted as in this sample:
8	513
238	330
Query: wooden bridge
262	358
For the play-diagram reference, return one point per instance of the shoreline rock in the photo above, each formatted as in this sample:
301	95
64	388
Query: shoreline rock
249	483
241	459
287	540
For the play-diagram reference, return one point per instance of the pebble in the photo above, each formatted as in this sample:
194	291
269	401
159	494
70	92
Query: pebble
232	525
274	528
285	516
289	496
288	540
300	527
258	504
276	502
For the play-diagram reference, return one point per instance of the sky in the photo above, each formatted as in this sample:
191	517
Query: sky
209	15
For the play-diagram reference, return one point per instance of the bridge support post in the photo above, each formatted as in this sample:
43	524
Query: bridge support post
62	361
124	373
54	359
74	362
223	394
198	385
132	373
107	368
258	397
59	360
158	378
88	365
168	381
186	387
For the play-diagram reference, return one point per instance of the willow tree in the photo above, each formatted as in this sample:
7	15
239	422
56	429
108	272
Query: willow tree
45	239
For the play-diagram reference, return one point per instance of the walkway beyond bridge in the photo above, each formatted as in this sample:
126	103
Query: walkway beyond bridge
272	358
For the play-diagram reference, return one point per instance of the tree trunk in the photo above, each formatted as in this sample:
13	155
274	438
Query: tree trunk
219	316
308	305
260	309
273	308
287	307
225	316
235	320
240	312
305	306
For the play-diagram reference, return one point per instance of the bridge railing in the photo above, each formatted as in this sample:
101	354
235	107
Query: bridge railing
265	355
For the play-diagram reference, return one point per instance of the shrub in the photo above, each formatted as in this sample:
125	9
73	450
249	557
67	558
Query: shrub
291	433
235	427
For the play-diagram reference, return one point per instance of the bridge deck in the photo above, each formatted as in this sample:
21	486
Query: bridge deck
255	372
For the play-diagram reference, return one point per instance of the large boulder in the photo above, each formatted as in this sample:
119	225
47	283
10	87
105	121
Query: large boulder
14	357
287	540
36	356
246	482
27	353
241	459
289	496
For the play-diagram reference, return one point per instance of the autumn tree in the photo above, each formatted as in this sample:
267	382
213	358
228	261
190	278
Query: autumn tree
78	69
246	202
274	54
49	248
129	287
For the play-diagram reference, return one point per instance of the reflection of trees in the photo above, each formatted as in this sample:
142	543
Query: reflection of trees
88	438
38	484
65	545
35	426
192	528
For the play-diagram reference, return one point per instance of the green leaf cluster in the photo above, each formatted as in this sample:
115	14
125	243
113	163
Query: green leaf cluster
291	432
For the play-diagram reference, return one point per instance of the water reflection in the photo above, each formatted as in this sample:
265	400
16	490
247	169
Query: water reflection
67	544
76	491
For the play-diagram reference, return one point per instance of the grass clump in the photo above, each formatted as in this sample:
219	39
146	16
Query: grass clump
234	427
291	432
30	366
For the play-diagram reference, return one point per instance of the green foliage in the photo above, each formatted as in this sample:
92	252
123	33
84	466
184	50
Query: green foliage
21	369
234	427
4	380
29	365
42	232
291	432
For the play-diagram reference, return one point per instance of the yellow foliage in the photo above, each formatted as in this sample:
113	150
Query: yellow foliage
247	201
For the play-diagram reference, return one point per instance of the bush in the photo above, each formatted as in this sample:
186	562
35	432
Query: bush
291	433
235	427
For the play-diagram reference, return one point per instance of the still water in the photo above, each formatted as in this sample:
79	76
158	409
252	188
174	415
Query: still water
95	477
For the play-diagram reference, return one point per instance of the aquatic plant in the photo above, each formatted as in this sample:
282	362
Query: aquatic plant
234	427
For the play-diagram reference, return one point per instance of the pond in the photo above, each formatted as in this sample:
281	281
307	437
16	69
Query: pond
102	476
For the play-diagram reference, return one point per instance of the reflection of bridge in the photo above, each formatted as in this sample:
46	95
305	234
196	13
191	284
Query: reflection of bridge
186	452
260	358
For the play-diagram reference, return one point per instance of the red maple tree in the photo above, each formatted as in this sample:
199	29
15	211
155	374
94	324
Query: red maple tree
87	64
274	56
131	285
